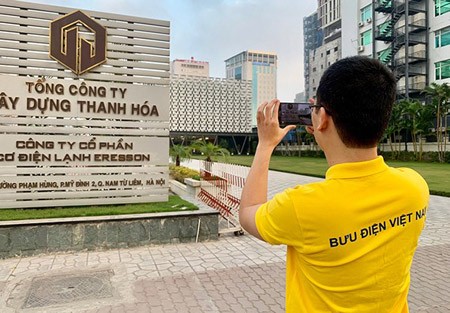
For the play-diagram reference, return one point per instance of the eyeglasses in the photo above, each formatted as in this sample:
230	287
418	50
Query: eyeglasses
318	106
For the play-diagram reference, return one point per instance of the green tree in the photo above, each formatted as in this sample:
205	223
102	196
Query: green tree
223	143
180	153
209	149
299	131
394	128
418	121
440	101
410	110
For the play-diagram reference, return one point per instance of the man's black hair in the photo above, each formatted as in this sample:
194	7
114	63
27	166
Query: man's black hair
358	92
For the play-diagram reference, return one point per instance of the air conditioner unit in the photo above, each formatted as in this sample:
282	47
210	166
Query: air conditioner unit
361	48
361	24
369	20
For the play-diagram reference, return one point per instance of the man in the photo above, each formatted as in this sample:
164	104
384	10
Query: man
351	238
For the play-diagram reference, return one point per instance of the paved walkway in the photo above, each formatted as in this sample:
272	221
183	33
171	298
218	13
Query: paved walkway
233	274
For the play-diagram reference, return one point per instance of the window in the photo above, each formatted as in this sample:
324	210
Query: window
366	12
442	37
442	69
366	38
441	7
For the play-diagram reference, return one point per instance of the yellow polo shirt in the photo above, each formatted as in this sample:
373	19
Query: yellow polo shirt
351	238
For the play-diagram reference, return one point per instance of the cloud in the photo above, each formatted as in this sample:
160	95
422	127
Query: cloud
230	27
215	30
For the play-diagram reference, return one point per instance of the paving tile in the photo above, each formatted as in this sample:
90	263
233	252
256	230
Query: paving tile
232	274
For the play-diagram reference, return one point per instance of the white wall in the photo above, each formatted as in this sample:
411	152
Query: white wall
350	34
437	54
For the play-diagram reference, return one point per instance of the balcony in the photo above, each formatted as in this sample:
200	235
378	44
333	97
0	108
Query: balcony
336	33
400	71
414	7
418	25
413	88
415	39
415	25
413	57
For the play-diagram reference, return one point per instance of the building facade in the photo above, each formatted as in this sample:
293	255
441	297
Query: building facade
412	37
312	39
319	60
210	105
261	69
300	97
440	41
329	12
189	67
326	49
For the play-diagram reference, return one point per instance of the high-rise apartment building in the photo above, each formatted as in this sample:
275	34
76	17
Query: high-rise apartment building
329	12
412	37
439	39
259	67
401	41
312	39
328	48
190	68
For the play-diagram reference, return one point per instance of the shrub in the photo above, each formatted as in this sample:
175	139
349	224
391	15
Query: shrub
428	156
179	173
305	153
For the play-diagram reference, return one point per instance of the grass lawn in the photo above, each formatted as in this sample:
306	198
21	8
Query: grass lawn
437	175
175	203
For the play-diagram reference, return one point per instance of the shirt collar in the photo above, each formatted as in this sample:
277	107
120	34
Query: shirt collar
357	169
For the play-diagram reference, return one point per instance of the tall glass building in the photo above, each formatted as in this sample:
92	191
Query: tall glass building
258	67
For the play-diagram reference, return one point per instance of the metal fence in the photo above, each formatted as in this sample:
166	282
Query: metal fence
221	189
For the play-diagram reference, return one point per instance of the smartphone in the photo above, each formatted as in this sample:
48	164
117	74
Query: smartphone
291	113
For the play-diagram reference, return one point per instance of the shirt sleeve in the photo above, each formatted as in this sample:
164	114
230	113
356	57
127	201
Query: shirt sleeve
277	222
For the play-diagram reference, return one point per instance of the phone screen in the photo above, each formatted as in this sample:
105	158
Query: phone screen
294	114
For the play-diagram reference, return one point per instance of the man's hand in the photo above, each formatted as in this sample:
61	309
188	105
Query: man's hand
269	132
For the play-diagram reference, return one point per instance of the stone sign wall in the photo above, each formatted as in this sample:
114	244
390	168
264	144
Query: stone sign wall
83	127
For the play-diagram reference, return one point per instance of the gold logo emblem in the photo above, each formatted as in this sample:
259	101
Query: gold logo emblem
73	51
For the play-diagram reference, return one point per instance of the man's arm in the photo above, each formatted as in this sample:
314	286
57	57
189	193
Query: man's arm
254	193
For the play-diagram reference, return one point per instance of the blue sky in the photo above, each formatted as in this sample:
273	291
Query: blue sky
214	30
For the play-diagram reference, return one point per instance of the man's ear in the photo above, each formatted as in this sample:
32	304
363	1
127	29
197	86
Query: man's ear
324	119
